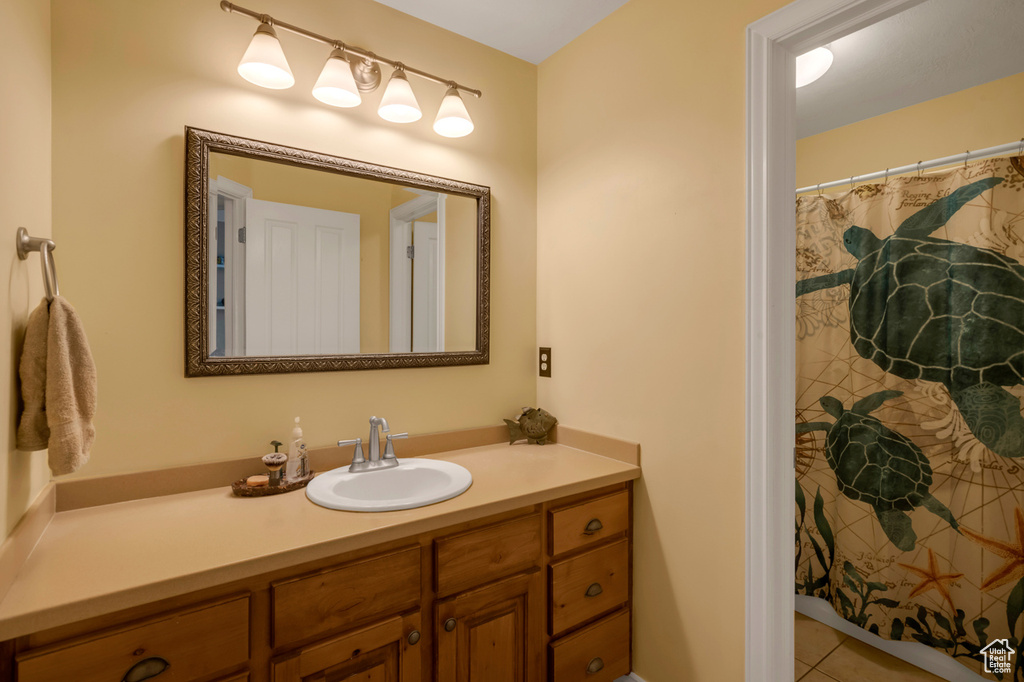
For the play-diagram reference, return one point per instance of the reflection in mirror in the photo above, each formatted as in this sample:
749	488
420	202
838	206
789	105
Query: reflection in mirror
304	262
355	264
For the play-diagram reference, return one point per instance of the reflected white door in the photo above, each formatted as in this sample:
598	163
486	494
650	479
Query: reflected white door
301	280
425	337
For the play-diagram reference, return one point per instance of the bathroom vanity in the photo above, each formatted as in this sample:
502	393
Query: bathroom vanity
525	577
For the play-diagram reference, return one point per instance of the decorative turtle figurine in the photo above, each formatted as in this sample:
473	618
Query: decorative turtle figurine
534	424
878	466
932	309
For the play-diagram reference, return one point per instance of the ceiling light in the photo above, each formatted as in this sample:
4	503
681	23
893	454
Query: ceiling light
452	118
812	65
399	104
336	86
264	63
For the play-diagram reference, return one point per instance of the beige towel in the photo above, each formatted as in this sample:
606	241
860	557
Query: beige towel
58	386
33	433
70	389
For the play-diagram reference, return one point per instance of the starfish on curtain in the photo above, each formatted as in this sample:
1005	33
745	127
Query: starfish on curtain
932	579
1013	569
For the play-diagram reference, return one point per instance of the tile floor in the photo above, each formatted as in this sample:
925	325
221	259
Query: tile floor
826	655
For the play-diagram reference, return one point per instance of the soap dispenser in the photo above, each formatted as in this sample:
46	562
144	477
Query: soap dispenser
298	463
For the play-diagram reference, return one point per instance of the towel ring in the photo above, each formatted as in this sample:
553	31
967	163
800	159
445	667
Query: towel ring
45	247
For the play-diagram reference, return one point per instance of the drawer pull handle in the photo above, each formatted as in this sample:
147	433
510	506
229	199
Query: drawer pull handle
449	625
595	666
592	527
594	590
414	637
146	669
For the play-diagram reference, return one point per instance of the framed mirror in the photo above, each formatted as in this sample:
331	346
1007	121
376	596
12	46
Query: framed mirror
297	261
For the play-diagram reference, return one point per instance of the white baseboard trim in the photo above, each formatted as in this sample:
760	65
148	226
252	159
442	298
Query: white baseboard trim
914	653
632	677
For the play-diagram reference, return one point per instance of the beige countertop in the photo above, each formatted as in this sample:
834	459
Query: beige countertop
98	560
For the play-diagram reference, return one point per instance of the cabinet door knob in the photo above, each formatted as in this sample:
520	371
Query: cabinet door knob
414	637
449	625
594	590
592	527
595	665
146	669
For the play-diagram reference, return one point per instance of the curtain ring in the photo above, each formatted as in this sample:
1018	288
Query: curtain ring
967	156
886	181
1020	149
851	182
818	187
919	168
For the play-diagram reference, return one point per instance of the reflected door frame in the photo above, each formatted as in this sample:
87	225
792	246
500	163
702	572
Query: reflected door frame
235	194
772	45
400	275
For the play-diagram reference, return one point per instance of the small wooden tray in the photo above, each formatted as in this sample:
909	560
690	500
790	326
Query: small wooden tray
242	489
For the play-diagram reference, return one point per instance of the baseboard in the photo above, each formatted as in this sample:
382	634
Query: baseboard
632	677
914	653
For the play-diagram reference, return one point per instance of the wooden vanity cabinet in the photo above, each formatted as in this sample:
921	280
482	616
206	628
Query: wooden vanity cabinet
540	593
485	633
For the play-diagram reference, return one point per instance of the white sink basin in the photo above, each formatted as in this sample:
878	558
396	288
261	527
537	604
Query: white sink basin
415	482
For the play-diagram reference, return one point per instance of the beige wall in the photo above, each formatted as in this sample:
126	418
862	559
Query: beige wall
128	77
460	282
24	202
979	117
641	270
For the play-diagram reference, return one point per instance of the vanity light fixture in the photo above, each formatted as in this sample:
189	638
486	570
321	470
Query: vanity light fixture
452	118
812	65
264	62
349	73
336	85
399	104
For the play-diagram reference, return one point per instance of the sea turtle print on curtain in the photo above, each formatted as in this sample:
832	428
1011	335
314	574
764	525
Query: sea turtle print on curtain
910	439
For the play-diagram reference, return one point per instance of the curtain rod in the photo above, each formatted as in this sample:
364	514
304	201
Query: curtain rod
924	165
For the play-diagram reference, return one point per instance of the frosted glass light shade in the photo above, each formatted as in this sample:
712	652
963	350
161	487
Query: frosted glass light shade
336	86
399	104
452	118
264	63
812	65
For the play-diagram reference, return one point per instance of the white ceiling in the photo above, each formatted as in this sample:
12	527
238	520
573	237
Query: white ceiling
529	29
933	49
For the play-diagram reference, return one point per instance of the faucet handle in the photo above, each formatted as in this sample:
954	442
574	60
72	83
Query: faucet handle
357	456
389	448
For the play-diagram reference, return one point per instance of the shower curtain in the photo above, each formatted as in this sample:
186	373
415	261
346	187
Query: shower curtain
910	439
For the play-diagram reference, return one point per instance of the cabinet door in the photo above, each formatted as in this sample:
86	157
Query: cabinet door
490	634
388	651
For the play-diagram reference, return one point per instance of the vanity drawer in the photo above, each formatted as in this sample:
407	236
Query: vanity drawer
589	522
313	604
598	653
196	643
478	556
589	584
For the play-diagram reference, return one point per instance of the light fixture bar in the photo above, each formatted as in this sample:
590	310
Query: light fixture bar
230	8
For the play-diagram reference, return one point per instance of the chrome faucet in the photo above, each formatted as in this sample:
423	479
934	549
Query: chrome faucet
375	461
374	439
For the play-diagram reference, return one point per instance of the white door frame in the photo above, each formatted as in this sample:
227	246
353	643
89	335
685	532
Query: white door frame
234	270
772	43
400	271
